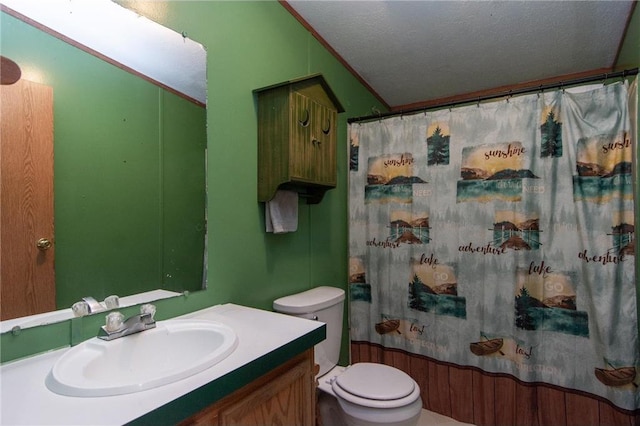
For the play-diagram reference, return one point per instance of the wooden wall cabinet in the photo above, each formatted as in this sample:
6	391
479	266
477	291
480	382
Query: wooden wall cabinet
297	138
284	396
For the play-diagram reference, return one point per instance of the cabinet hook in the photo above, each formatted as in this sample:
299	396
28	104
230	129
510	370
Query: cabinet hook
326	132
305	122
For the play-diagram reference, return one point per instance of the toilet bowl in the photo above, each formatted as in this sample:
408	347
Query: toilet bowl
363	393
369	394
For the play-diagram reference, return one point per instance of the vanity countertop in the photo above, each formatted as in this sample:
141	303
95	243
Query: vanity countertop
65	314
266	340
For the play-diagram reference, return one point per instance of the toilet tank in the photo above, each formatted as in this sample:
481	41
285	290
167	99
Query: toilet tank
325	304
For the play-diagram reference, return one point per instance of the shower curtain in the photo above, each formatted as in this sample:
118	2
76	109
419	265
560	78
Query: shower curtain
500	236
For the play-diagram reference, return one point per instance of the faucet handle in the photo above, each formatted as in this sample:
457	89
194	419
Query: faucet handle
112	302
114	321
80	309
148	308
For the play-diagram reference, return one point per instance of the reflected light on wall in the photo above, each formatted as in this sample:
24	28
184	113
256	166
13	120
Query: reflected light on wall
154	10
34	74
126	37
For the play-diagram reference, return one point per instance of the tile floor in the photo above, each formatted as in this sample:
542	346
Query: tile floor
430	418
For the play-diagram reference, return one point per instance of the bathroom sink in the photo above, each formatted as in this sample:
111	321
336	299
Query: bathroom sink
172	351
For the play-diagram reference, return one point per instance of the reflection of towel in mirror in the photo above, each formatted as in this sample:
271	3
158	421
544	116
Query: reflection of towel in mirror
281	212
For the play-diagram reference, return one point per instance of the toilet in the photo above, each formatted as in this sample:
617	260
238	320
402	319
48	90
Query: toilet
363	393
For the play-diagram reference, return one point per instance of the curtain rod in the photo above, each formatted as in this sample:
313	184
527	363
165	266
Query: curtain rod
532	89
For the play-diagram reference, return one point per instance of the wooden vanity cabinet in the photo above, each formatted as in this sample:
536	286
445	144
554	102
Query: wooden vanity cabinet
297	138
283	396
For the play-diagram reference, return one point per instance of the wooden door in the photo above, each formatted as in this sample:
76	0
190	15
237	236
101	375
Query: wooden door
27	280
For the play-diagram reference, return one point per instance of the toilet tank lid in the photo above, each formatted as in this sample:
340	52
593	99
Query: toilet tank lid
309	301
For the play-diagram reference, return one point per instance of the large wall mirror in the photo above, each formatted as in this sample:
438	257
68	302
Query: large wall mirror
129	168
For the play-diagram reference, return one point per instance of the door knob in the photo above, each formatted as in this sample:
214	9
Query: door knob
43	244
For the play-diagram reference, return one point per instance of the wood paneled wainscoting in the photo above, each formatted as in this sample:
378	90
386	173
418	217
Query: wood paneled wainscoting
471	395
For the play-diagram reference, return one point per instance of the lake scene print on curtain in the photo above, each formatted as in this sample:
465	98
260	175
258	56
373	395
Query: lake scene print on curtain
502	236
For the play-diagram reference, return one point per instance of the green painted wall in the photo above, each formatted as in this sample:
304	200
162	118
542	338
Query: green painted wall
129	172
250	45
629	54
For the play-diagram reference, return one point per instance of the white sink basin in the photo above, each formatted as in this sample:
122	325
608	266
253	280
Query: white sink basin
172	351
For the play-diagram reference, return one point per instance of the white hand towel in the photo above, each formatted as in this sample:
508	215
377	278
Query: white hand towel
281	212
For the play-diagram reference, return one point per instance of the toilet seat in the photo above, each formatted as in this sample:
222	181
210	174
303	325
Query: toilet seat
376	386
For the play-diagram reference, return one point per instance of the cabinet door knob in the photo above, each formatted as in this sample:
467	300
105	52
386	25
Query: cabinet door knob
43	244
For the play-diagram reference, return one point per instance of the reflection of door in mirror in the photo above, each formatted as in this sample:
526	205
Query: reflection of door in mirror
27	282
129	161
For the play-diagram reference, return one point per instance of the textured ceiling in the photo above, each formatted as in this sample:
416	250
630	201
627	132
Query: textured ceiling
410	52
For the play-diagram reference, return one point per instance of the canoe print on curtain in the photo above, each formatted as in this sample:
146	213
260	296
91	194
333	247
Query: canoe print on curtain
502	236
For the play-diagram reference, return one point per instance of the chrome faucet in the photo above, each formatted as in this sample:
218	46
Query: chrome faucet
116	327
89	305
93	304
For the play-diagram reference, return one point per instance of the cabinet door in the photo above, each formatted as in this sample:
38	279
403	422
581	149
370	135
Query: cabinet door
313	143
323	135
284	396
300	144
285	401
